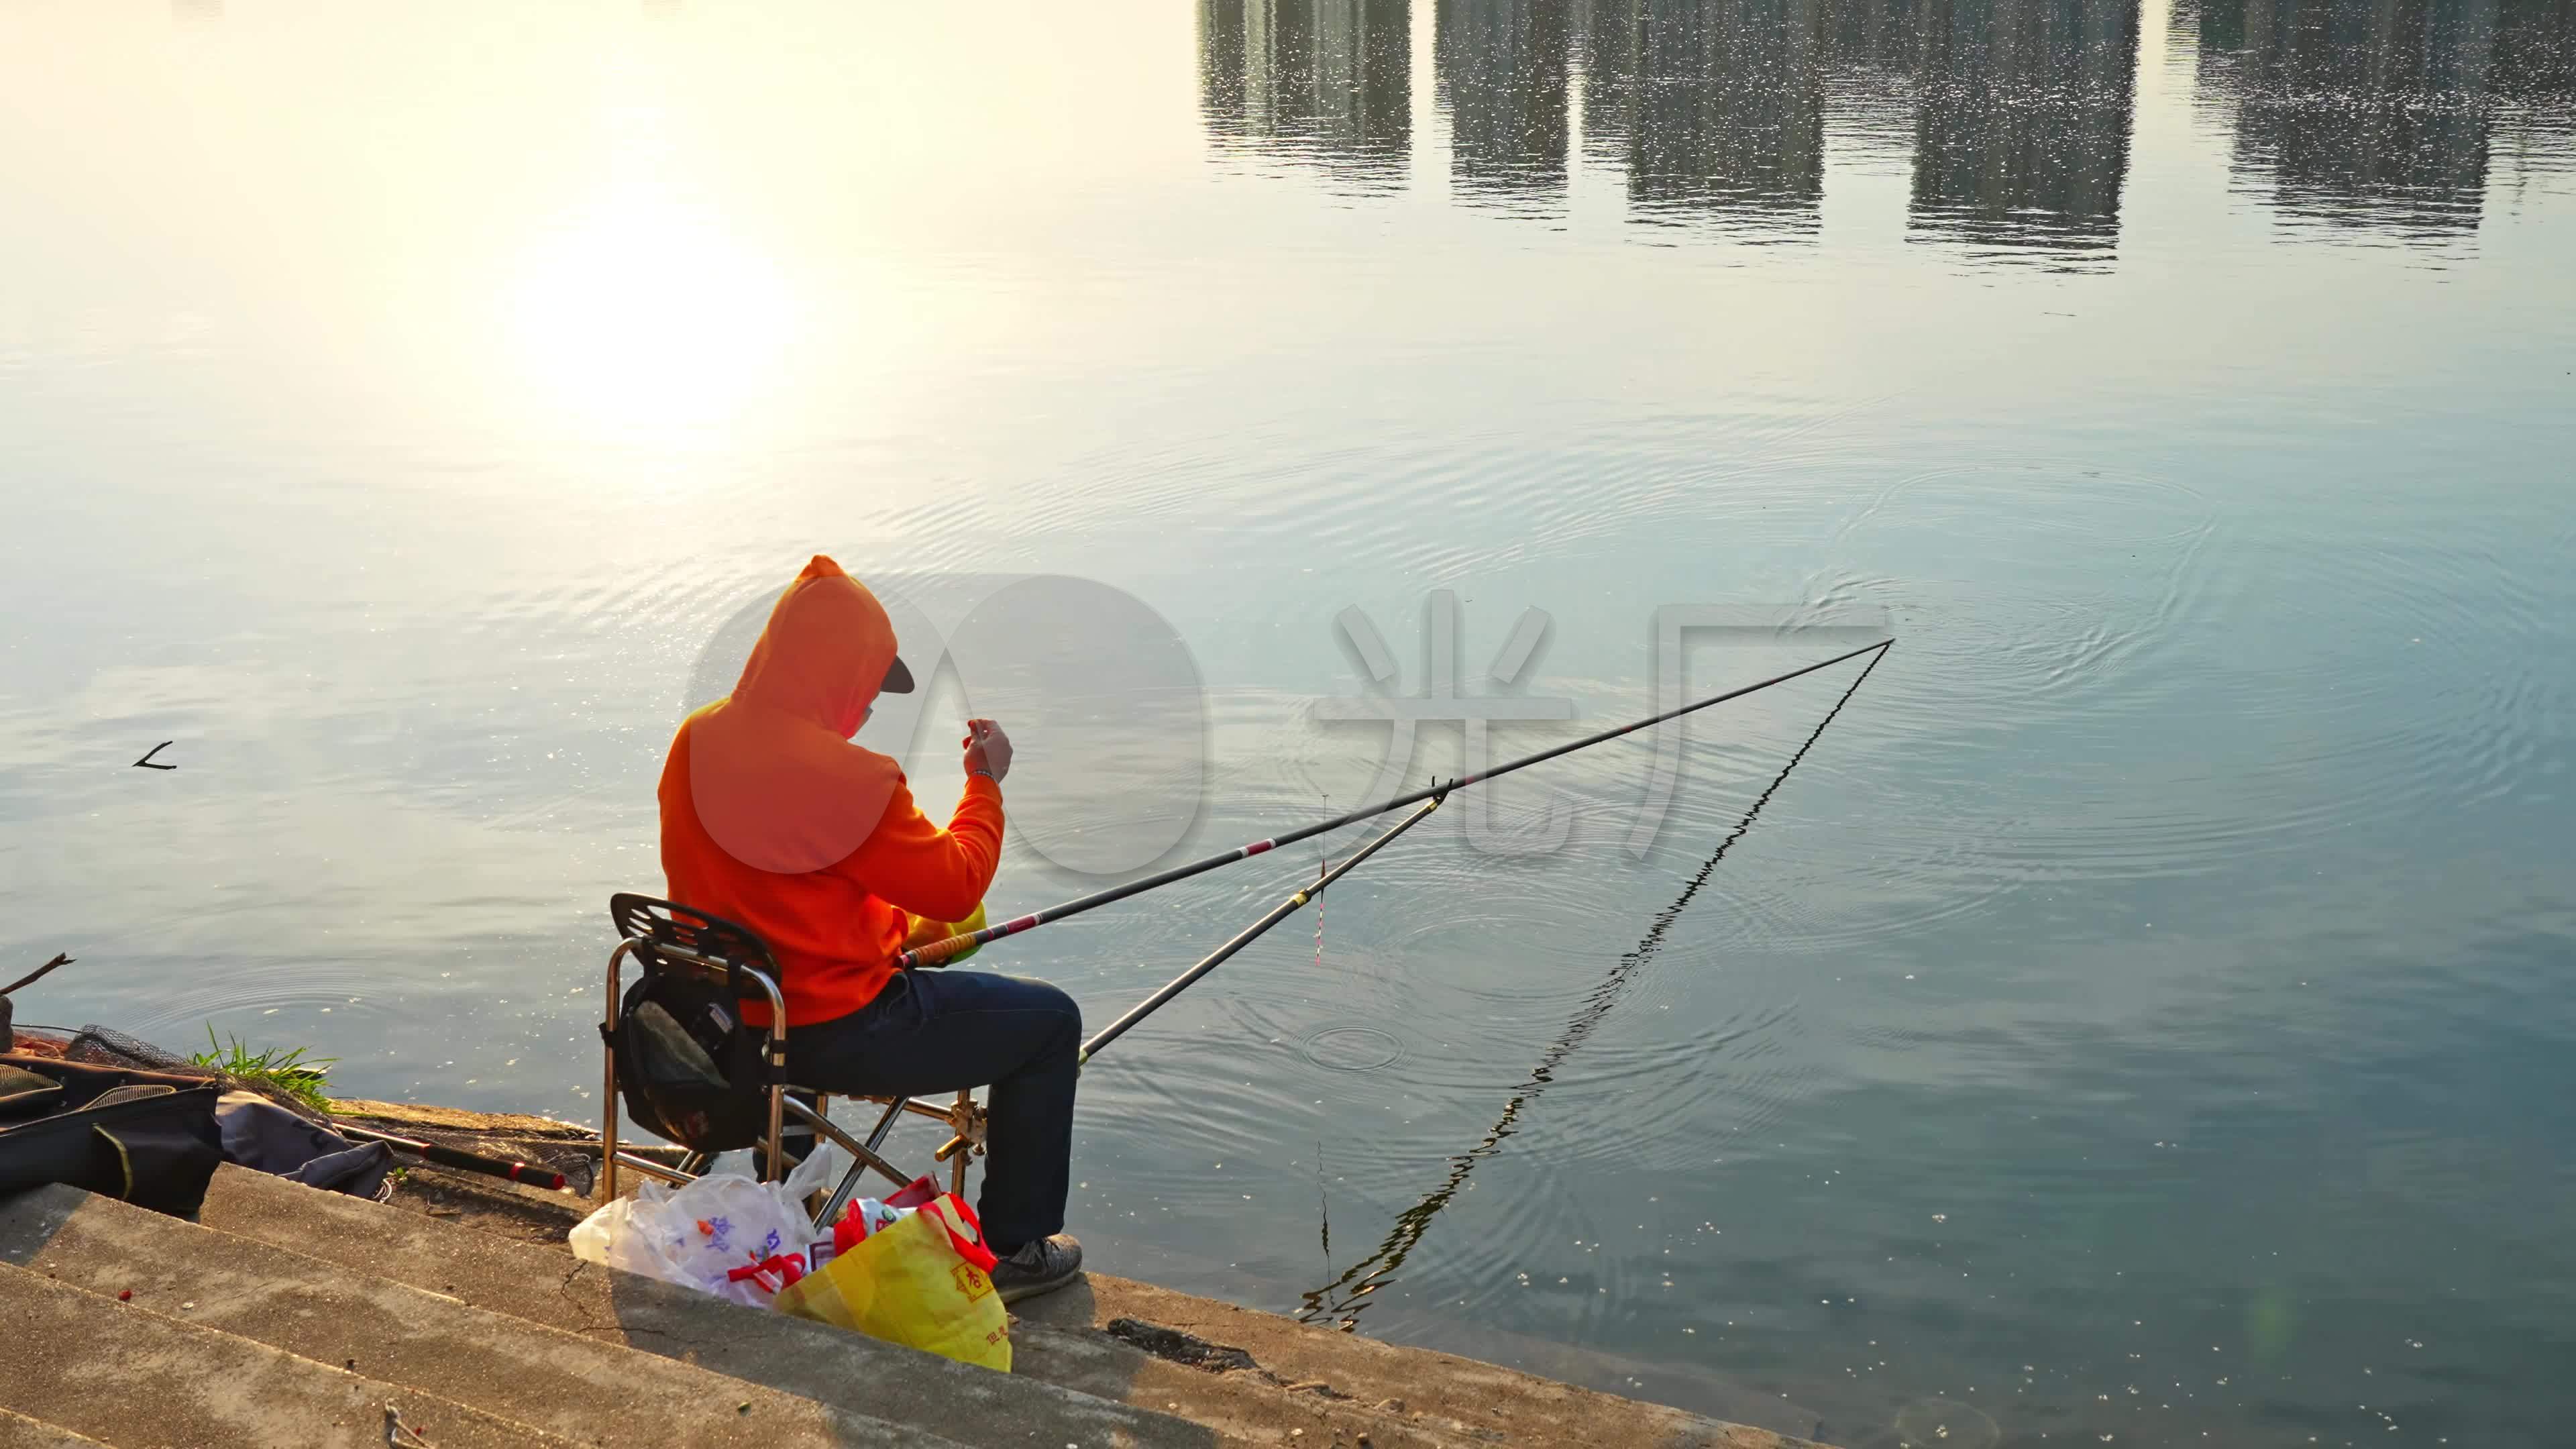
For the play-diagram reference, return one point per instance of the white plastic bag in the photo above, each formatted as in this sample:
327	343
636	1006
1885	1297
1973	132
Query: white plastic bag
821	1168
698	1233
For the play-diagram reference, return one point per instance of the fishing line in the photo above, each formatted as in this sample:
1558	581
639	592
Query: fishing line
1372	1272
1242	938
1323	867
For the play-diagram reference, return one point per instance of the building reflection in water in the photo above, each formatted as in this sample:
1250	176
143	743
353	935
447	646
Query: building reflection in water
2022	120
1503	68
1715	108
2016	114
2382	114
1328	82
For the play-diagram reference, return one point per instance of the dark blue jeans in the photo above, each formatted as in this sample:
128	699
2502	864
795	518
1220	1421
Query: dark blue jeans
932	1032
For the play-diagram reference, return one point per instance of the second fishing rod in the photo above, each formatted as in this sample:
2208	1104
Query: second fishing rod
1243	938
1439	794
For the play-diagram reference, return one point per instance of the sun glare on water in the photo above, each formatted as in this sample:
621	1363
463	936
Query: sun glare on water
642	313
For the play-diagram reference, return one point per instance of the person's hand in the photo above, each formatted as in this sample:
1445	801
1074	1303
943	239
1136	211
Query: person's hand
987	749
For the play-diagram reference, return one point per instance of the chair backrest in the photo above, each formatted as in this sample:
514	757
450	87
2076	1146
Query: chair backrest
671	936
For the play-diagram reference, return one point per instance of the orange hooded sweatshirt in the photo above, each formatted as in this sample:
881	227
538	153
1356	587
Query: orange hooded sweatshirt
773	818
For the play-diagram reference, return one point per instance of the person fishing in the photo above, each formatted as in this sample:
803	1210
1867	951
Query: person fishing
774	818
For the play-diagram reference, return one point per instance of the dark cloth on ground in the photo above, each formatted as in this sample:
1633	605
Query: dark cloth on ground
262	1136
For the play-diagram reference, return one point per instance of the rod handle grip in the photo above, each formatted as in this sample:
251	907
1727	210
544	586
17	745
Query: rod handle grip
936	953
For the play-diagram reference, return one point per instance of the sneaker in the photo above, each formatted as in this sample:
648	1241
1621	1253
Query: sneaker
1039	1267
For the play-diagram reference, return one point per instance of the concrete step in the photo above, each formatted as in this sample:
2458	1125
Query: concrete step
580	1388
136	1379
1395	1394
1229	1392
1336	1388
1089	1368
17	1431
550	1287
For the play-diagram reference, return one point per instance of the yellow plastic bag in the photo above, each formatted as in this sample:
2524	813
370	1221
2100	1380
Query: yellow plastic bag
914	1283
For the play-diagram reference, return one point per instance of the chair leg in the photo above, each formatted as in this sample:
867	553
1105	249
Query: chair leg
838	1199
608	1133
658	1171
885	1124
848	1187
608	1084
815	1201
864	1158
795	1135
777	1133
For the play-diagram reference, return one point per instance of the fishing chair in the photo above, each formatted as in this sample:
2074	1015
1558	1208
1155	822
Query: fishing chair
696	1073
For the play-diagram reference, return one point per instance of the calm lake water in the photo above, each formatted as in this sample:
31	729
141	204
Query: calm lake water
2143	1014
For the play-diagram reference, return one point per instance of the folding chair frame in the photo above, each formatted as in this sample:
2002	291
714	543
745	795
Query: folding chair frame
964	1118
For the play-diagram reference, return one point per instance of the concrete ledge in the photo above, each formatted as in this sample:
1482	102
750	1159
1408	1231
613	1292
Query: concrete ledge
135	1379
1114	1387
1455	1399
561	1382
551	1287
17	1431
1241	1400
1335	1387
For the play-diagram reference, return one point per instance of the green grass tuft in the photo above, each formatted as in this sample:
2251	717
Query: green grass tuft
286	1069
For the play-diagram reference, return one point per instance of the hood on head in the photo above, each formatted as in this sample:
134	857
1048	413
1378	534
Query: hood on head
825	652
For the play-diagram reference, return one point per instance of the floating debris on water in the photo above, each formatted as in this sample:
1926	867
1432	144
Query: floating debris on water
1946	1423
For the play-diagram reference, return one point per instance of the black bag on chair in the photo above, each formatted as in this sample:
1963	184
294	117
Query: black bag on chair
688	1066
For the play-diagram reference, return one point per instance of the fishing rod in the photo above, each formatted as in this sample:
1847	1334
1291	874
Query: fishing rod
1221	954
1251	933
450	1157
1431	800
938	951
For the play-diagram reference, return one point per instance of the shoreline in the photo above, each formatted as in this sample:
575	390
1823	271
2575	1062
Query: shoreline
1250	1374
533	1215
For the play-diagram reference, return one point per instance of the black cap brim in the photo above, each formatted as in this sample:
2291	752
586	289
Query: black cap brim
898	679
